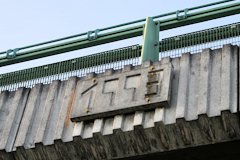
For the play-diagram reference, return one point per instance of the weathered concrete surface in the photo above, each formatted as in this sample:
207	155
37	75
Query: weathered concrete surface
157	140
204	97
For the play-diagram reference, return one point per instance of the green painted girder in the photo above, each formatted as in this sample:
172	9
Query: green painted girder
121	34
150	47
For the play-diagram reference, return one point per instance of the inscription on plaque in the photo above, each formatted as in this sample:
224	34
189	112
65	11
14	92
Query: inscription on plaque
87	97
107	95
154	82
110	88
131	84
122	92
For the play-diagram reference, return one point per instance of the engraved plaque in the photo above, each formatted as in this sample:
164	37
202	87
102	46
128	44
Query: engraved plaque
122	92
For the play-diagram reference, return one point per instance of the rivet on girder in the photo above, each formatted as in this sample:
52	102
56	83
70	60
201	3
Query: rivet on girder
93	80
147	99
152	68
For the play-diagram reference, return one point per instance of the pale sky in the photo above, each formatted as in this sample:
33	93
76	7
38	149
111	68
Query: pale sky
26	22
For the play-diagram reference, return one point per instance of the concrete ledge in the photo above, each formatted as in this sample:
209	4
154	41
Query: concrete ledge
158	141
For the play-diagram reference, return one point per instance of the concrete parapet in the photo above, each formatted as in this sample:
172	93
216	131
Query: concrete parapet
198	88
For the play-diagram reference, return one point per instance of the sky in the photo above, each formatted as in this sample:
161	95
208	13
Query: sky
26	22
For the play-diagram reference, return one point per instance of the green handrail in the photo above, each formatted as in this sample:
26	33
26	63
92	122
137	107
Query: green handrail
120	34
120	55
120	25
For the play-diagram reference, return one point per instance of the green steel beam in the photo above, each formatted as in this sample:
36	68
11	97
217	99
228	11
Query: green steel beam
121	34
150	47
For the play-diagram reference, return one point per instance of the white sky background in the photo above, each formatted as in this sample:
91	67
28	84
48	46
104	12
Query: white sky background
26	22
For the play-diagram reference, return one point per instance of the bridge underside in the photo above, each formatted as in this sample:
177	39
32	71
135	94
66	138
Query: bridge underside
204	138
220	151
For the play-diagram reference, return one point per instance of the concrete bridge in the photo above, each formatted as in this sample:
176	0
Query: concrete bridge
186	107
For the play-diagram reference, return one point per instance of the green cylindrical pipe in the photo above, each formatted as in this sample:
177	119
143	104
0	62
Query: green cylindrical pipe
120	25
167	24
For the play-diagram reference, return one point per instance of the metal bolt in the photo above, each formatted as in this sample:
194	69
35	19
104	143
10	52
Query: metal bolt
86	110
156	23
156	44
147	99
151	68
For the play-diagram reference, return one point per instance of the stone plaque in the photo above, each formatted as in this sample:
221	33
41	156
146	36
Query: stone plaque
125	91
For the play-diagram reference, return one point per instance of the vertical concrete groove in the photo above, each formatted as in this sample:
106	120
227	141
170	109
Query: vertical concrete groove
205	67
52	119
168	117
9	112
214	99
35	119
68	126
17	120
191	108
46	111
234	81
226	76
183	88
28	114
238	83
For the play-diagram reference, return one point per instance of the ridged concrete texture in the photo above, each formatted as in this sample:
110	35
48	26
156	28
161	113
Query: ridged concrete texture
204	83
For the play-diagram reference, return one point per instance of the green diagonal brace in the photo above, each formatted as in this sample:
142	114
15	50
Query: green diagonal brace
150	47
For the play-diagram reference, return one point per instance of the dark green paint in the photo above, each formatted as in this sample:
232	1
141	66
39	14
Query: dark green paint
150	48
